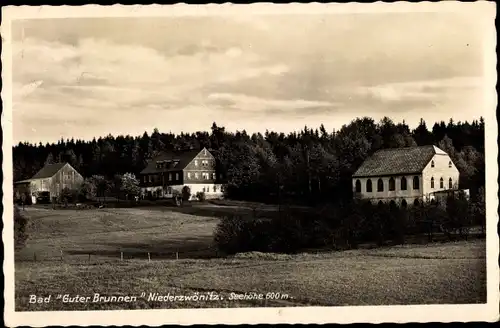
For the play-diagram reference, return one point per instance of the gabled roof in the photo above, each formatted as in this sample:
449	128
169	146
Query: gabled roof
173	161
396	161
48	171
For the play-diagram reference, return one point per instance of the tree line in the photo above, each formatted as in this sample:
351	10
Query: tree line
308	165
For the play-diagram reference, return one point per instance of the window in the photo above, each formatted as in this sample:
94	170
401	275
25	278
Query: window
189	175
215	188
203	189
196	163
177	177
214	176
432	163
358	186
205	175
150	178
416	183
145	179
403	183
369	185
392	184
170	177
404	204
432	182
196	175
441	183
449	164
450	183
380	185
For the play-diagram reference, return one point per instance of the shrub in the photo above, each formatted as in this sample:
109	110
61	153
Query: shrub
186	193
20	229
228	234
341	226
201	196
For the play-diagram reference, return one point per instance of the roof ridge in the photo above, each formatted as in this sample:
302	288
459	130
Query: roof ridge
396	161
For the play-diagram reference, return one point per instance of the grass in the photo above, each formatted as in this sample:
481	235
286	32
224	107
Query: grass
423	274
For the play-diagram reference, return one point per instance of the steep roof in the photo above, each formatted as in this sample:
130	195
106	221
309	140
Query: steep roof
174	161
394	161
48	171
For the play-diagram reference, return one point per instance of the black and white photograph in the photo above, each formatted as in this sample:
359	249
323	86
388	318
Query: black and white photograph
292	163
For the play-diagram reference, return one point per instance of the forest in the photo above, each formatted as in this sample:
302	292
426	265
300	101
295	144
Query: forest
311	165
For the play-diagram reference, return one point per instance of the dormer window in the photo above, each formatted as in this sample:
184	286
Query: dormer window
432	163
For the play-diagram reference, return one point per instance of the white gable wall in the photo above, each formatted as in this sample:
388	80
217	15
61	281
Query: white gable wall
440	170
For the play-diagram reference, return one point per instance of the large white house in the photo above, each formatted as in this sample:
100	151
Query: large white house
171	171
406	175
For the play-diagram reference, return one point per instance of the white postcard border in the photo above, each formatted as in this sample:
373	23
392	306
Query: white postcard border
350	314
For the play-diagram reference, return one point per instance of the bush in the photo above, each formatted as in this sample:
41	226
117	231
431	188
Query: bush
20	229
186	193
201	196
341	226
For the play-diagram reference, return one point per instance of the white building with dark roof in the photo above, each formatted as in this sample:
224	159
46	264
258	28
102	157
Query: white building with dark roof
405	175
171	171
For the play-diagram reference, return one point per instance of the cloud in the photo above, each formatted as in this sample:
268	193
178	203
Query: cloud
116	75
449	95
262	105
96	77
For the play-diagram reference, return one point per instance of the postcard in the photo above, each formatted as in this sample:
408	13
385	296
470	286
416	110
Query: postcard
245	164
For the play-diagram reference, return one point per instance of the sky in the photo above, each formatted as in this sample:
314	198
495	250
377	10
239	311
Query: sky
89	77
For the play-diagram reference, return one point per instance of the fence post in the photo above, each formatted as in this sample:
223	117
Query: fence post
89	257
177	255
121	256
149	257
34	256
61	255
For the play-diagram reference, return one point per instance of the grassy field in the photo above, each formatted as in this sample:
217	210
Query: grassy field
56	262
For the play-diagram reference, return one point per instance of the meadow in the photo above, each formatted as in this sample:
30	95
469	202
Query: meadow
79	252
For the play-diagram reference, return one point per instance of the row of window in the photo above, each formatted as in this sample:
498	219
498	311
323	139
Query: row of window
166	164
204	175
403	184
449	164
392	184
204	162
441	183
